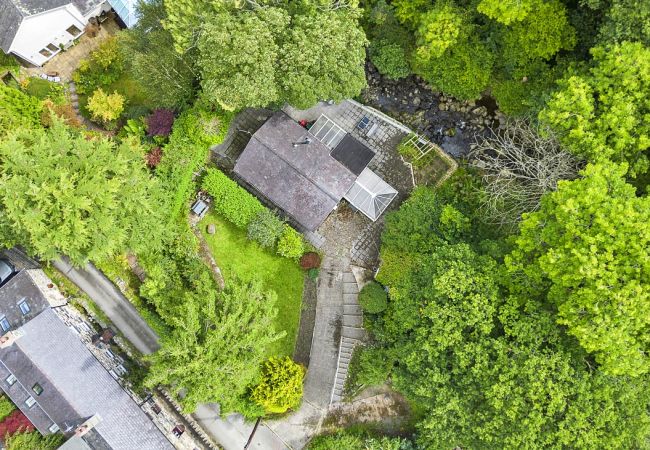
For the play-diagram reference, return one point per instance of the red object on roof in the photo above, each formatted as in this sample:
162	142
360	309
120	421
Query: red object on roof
16	422
303	123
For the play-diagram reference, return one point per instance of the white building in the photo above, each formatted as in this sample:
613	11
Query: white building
35	30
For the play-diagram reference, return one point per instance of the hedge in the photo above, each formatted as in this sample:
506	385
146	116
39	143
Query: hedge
230	200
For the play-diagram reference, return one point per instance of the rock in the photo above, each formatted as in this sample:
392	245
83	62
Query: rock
212	228
417	101
442	106
480	111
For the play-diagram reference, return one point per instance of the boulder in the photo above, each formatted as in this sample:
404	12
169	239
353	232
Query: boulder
212	228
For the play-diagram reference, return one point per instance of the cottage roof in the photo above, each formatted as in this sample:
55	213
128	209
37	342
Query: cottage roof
303	180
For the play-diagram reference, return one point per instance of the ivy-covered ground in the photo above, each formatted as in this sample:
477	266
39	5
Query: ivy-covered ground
237	256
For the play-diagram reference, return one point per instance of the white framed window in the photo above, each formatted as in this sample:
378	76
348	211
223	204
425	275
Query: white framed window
53	428
31	401
4	323
24	307
11	379
51	47
73	30
45	52
37	388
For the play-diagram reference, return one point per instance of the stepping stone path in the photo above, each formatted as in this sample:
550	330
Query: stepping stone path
352	333
74	101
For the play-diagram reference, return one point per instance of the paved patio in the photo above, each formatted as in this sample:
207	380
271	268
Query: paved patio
65	63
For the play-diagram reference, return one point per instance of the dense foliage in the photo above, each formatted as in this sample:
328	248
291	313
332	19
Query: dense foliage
6	407
265	228
160	122
359	441
478	346
33	441
217	346
268	52
101	68
86	198
280	388
17	110
601	112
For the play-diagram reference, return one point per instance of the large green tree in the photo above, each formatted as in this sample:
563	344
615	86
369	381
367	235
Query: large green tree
296	52
601	113
486	363
587	249
168	77
215	351
87	198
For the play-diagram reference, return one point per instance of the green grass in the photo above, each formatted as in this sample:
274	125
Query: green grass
237	256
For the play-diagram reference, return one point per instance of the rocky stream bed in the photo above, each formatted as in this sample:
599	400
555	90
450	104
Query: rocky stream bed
453	124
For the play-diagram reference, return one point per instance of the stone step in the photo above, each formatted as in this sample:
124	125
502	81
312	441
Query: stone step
352	321
350	288
345	352
348	277
351	309
350	342
350	299
353	332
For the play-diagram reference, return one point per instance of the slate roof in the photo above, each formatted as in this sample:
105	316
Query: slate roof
304	181
76	386
21	287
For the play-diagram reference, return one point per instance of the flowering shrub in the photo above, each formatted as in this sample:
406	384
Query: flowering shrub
14	423
160	122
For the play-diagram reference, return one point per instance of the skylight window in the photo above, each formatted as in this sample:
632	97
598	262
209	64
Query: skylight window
24	307
4	323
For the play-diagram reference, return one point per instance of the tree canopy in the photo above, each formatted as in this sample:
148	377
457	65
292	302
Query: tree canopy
588	247
66	194
217	346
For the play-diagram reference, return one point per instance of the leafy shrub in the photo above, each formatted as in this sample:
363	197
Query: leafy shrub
373	366
18	109
101	68
6	407
310	260
105	108
351	440
64	111
281	386
373	298
291	244
153	157
192	135
160	122
33	441
265	228
390	59
8	63
230	200
133	127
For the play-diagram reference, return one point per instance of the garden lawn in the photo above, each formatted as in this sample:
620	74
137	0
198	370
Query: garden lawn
237	256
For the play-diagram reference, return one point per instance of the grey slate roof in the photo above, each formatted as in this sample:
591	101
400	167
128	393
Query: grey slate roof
304	181
21	287
10	19
76	386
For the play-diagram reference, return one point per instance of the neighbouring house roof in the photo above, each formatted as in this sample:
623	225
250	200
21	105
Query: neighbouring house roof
75	387
370	194
304	181
12	13
10	19
21	287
